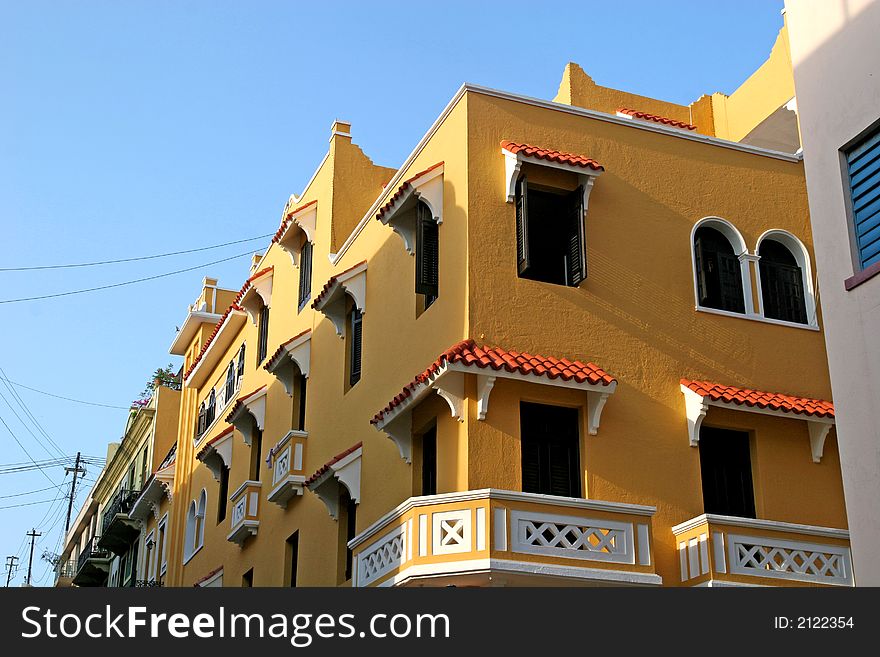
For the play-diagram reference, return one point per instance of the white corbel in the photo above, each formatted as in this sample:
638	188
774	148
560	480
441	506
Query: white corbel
696	407
451	388
818	433
595	404
485	383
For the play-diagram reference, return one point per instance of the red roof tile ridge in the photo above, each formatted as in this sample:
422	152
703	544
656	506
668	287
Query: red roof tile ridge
656	118
280	349
551	155
288	218
402	188
336	459
776	401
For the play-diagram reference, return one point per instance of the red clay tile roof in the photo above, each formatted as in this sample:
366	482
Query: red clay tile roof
469	354
774	401
280	349
222	434
400	190
656	118
286	221
240	402
333	279
207	577
551	155
233	306
320	471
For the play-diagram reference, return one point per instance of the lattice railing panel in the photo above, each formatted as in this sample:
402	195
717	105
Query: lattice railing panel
572	537
386	555
805	562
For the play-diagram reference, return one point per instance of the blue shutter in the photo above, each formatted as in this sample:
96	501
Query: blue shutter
863	164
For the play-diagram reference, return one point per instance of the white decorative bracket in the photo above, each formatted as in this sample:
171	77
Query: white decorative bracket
696	407
485	384
399	430
296	351
217	455
257	295
345	472
254	405
513	166
595	404
332	304
399	212
451	388
818	433
301	220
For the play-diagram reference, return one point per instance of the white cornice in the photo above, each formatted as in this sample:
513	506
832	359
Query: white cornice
765	525
188	331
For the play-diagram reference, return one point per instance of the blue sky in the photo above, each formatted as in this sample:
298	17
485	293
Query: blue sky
135	128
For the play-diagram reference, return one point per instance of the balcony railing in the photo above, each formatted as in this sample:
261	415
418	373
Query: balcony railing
117	530
92	565
473	537
286	461
245	517
66	569
724	550
147	583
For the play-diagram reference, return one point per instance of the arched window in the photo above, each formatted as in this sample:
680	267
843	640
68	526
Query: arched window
785	285
189	544
718	271
230	382
211	410
200	519
202	424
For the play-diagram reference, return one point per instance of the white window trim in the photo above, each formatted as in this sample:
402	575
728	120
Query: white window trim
738	244
162	528
799	251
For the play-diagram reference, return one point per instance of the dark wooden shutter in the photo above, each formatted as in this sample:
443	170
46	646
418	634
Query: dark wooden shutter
301	424
522	226
731	283
726	468
702	275
305	272
427	252
531	465
356	338
429	462
550	444
263	337
782	290
576	265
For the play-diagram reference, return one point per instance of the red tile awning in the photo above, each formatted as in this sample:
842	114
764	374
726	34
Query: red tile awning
550	155
774	401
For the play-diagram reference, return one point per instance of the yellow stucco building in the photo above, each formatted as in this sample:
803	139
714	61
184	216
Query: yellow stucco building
567	342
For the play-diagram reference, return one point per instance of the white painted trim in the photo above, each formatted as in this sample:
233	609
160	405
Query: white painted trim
624	552
427	188
537	102
797	248
756	318
513	165
492	566
210	581
763	525
497	494
298	352
188	331
245	484
254	405
740	250
257	295
345	472
734	541
332	305
224	337
305	221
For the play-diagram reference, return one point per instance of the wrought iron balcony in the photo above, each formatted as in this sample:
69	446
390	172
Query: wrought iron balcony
93	564
728	551
245	517
147	583
117	529
474	537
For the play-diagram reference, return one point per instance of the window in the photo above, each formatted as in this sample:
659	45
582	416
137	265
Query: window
347	531
240	370
354	339
863	169
305	273
247	580
291	558
427	254
550	450
202	424
718	270
161	547
190	542
230	382
263	334
256	453
726	468
782	283
200	519
143	473
550	235
429	461
211	411
300	420
223	494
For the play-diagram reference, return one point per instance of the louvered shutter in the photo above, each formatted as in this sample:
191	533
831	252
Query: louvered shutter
531	465
561	480
356	337
427	252
522	226
731	283
576	265
702	277
863	165
305	272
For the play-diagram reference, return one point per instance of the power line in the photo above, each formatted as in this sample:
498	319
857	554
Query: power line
27	428
15	438
30	492
27	410
70	399
132	282
134	259
15	506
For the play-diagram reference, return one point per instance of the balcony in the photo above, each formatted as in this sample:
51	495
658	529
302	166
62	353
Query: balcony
245	518
728	551
93	565
118	531
65	571
489	536
286	461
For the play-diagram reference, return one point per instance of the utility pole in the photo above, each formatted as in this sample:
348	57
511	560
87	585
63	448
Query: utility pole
76	470
10	568
33	533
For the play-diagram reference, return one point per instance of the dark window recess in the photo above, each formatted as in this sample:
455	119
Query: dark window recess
292	558
263	337
301	420
355	343
719	275
782	283
223	495
550	450
429	462
240	370
247	580
726	466
211	411
350	532
201	425
305	273
863	167
550	244
230	381
427	254
256	453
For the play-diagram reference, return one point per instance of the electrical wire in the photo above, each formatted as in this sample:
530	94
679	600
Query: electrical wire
70	399
30	492
134	259
27	411
15	506
15	438
115	285
27	428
